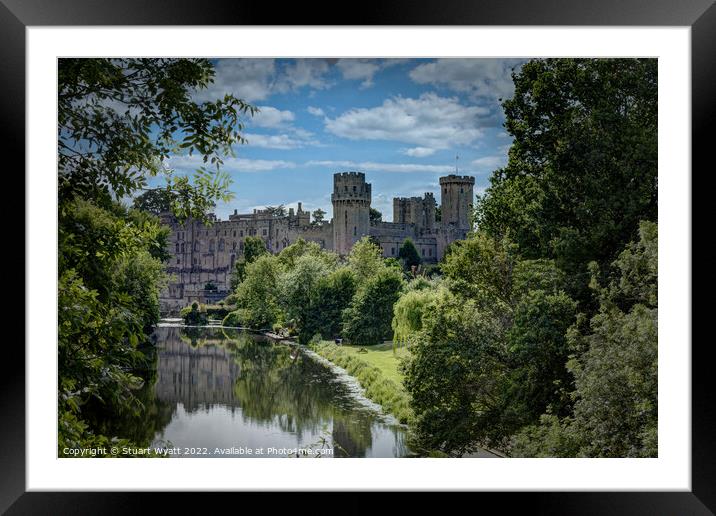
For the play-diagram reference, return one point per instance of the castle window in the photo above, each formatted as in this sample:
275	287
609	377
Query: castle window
354	188
264	232
233	246
241	233
423	252
234	233
178	260
430	252
392	251
445	190
221	244
345	188
177	247
355	230
211	246
461	191
182	247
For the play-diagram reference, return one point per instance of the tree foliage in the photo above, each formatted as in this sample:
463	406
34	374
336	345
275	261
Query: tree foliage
409	254
581	128
118	122
368	318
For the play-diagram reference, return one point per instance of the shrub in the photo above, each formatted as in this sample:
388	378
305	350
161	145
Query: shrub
194	315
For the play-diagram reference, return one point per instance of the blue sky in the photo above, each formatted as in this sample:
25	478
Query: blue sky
401	121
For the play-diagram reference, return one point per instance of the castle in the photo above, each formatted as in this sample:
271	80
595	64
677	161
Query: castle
203	254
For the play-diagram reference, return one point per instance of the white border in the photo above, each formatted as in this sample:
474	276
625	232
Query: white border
670	471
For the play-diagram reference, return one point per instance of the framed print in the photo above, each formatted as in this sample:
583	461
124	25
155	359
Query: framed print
402	246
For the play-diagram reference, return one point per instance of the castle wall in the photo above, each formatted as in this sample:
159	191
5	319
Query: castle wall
203	254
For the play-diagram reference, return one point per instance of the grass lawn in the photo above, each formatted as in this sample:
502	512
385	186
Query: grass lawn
382	357
376	370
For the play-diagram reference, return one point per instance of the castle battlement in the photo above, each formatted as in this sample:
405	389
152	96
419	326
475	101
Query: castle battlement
202	254
452	178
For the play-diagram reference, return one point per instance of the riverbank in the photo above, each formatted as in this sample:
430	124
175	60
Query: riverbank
377	371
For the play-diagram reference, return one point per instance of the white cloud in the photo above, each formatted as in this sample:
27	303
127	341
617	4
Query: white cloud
315	111
268	116
247	79
358	69
428	121
365	69
489	163
304	72
381	167
480	78
273	141
231	164
418	152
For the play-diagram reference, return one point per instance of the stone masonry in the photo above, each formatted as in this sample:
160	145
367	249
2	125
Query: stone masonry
203	254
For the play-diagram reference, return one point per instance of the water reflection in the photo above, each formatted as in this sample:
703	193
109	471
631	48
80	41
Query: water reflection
232	391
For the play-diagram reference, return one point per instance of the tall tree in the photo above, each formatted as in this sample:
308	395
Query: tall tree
318	216
581	128
375	215
118	121
409	254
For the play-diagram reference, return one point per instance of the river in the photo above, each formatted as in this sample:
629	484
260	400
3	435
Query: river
229	393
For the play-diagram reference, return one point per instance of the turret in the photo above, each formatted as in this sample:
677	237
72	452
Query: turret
456	199
351	210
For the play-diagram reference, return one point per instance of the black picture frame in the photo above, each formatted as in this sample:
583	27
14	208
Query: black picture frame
16	15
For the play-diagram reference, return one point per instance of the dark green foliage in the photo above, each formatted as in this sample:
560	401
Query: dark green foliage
331	296
375	215
409	254
368	318
117	121
194	314
582	170
318	216
505	359
615	372
253	248
155	201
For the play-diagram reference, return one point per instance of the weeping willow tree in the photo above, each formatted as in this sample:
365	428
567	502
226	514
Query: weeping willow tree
408	314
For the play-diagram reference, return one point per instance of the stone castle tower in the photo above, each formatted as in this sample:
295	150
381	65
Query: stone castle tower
456	200
351	210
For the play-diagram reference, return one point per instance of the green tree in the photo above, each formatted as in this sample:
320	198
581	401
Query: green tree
288	256
118	121
409	254
331	296
253	248
256	296
368	318
295	287
276	211
155	201
375	215
581	127
365	260
318	216
615	368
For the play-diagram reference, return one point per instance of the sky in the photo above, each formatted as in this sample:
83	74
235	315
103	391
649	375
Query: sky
401	121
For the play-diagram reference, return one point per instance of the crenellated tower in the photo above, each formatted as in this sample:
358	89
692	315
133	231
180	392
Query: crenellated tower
456	200
351	210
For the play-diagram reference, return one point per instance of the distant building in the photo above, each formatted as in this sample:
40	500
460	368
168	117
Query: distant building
206	254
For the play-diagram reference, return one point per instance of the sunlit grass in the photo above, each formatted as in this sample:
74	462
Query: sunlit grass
377	370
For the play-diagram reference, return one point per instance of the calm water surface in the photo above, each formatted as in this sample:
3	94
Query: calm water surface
223	392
